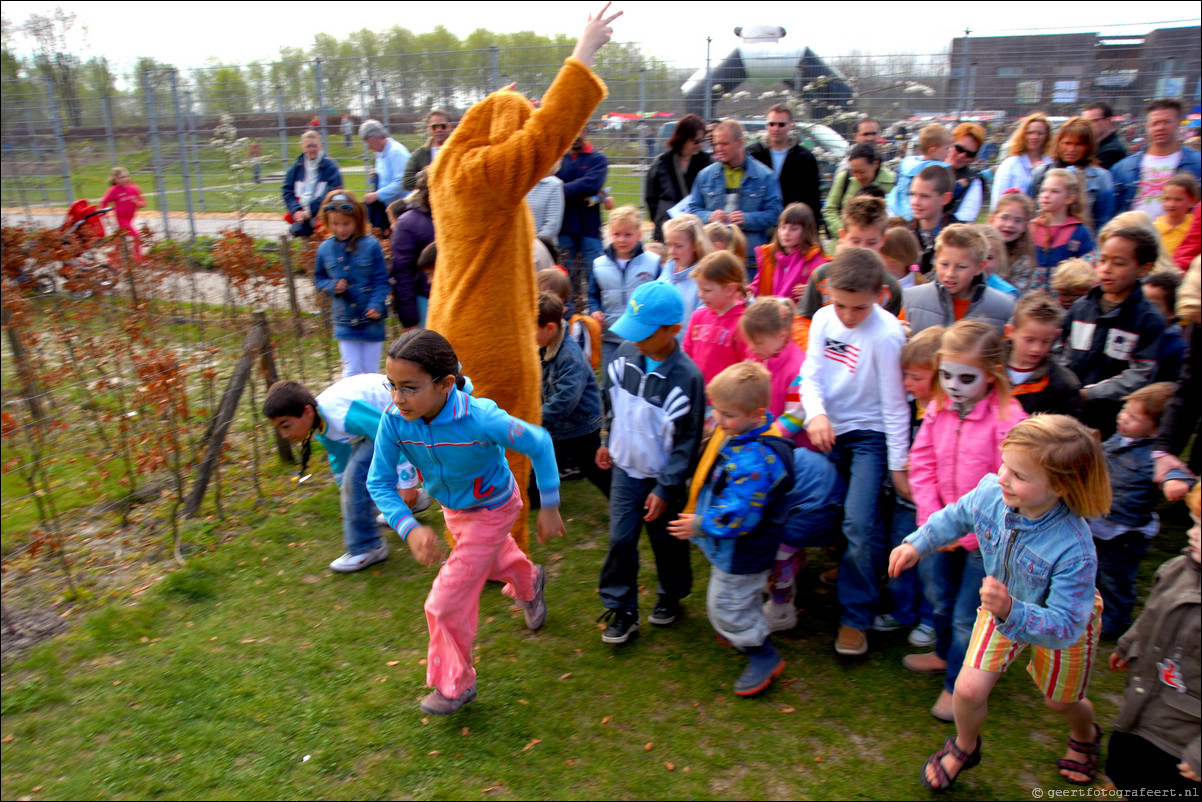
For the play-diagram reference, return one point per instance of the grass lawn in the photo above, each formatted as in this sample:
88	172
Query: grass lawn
255	673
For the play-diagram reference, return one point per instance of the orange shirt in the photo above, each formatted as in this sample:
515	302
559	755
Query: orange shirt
960	308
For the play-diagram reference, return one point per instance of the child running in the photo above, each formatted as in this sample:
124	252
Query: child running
1040	564
126	198
713	340
457	443
784	265
687	244
350	269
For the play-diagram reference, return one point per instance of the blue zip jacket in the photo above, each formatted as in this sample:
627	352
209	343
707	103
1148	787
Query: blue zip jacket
1126	176
1049	565
367	275
759	199
610	287
743	508
571	397
351	409
898	200
460	456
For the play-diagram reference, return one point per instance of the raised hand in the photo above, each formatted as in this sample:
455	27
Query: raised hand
595	35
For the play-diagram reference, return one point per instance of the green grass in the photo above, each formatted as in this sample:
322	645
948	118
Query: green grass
254	672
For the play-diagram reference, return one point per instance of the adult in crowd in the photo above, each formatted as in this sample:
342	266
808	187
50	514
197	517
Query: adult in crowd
1029	148
411	233
391	158
990	150
311	176
863	168
1076	150
1139	178
968	193
737	190
866	131
348	130
546	207
672	173
1111	149
795	167
582	170
438	128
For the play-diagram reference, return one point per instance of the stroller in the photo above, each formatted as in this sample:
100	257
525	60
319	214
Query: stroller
84	266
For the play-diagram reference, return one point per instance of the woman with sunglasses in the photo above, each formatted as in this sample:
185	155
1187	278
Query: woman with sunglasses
1076	149
969	190
438	126
350	269
671	175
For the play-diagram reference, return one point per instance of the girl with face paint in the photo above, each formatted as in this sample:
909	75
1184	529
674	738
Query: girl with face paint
959	443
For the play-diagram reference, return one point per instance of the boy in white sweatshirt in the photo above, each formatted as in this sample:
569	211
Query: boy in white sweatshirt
855	410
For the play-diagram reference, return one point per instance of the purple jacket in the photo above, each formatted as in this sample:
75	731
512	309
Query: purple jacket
414	230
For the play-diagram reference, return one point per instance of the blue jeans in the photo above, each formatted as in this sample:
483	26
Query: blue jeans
860	455
359	531
579	253
909	607
953	584
620	573
1118	561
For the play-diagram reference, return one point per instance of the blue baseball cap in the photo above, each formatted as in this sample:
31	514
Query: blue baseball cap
654	304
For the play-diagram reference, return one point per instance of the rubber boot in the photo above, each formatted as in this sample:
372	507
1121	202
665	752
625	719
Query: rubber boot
763	663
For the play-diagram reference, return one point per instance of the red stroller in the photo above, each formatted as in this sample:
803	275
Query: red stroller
84	266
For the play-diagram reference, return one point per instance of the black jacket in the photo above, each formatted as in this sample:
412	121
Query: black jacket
1050	388
798	176
1110	151
1183	413
661	191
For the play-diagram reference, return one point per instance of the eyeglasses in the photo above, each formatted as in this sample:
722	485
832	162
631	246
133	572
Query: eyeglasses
406	392
344	206
438	126
963	151
777	125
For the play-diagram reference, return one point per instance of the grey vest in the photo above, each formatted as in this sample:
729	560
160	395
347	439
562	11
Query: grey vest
931	305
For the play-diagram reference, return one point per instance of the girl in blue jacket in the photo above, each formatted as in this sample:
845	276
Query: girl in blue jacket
457	443
350	268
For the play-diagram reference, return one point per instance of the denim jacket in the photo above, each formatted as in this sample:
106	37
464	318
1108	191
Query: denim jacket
1134	491
1049	565
571	398
759	198
1126	176
365	272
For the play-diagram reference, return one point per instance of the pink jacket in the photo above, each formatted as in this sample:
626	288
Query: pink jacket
951	456
785	370
713	341
790	273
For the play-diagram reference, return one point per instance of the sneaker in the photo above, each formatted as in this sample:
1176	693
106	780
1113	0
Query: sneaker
780	616
666	611
536	608
422	504
622	624
922	636
928	663
886	623
381	520
763	663
851	642
438	705
349	563
830	577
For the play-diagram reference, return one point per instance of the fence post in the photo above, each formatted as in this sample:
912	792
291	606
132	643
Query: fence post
321	97
251	346
279	104
106	101
183	154
194	151
646	154
290	279
128	265
271	375
158	154
493	55
962	87
384	102
37	154
60	141
709	81
367	160
29	387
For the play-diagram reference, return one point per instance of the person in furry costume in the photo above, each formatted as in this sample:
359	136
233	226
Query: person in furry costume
483	297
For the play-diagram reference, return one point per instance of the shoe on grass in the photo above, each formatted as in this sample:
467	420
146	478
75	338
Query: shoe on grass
780	616
926	663
666	611
922	636
622	624
851	642
422	504
438	705
764	663
886	623
349	563
943	708
536	608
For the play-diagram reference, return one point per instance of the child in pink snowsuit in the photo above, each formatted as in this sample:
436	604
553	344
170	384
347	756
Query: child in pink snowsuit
126	199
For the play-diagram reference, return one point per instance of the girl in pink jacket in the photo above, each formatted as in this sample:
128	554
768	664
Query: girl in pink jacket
766	327
784	265
958	445
713	340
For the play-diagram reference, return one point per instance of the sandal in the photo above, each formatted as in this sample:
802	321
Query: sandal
1092	752
935	761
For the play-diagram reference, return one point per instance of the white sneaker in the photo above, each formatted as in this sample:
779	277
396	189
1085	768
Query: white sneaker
922	636
381	520
885	623
422	504
349	563
780	616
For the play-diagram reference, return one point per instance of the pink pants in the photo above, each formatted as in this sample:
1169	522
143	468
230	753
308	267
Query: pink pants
128	227
483	550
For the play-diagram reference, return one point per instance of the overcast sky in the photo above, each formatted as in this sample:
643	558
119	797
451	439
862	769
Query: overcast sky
188	34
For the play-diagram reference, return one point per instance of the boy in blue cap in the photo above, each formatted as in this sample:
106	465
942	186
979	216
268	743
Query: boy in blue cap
654	405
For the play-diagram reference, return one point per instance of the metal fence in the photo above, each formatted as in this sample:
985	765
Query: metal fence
159	125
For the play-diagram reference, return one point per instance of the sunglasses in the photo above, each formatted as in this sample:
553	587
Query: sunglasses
438	126
334	206
777	125
963	151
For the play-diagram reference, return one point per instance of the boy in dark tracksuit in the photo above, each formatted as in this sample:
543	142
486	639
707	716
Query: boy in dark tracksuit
741	513
654	399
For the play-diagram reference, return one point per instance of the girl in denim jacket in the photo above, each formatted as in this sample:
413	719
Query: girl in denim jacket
1038	590
350	268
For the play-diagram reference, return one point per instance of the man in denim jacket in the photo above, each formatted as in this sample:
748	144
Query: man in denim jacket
737	190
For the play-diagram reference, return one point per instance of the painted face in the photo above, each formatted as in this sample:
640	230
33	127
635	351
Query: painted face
1176	201
416	393
680	248
1054	196
1135	422
852	308
1009	221
955	268
1072	149
917	381
857	237
1117	268
735	421
925	202
1031	343
963	383
1025	485
717	297
863	170
770	345
625	238
789	235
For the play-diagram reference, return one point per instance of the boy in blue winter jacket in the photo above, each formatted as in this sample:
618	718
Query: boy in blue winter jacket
934	141
741	513
616	273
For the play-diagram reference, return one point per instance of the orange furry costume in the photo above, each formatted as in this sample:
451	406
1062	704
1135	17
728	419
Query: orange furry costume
483	297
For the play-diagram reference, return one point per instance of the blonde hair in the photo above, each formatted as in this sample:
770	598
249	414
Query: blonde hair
746	386
864	211
690	224
1071	456
554	280
115	175
1039	306
769	316
965	237
994	240
1154	398
1018	140
730	237
656	248
981	340
1139	219
932	136
1024	246
1075	276
1079	206
721	267
626	216
923	348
